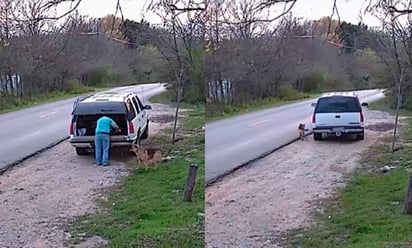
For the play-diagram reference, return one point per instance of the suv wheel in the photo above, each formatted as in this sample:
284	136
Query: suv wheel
145	134
360	136
317	136
81	151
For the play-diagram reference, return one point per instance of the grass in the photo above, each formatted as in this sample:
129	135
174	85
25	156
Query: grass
165	98
215	113
383	105
368	211
146	209
47	98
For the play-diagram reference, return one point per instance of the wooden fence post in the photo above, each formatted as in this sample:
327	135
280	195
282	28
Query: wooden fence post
408	199
190	182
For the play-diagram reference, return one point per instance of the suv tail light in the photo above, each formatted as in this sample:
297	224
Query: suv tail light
361	117
313	118
131	127
71	128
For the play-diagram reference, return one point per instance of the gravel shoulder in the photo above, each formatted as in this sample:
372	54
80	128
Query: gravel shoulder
253	206
40	195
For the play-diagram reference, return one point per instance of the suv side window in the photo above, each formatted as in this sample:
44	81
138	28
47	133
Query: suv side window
140	103
136	104
131	113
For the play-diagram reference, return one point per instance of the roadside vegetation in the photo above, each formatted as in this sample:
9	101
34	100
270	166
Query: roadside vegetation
386	104
147	208
285	62
221	111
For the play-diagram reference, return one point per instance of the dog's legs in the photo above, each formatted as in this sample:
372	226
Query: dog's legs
138	163
155	165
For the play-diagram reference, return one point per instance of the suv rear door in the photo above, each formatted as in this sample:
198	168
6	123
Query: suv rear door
142	116
338	111
132	118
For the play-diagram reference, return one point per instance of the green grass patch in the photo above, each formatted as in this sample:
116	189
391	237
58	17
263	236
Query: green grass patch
165	98
220	111
384	105
147	208
368	211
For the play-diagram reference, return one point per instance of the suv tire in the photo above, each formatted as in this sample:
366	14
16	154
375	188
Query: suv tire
360	136
81	151
317	136
145	134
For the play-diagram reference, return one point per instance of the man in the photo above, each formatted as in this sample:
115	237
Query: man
102	139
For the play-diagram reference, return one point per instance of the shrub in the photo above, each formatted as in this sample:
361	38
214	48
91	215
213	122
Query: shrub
288	93
75	87
100	76
313	81
407	103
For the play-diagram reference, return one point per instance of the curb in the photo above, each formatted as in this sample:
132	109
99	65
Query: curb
9	166
244	165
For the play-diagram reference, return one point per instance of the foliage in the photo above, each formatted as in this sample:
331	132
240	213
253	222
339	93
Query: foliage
314	81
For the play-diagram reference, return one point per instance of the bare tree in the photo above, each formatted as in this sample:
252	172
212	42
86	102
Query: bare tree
182	44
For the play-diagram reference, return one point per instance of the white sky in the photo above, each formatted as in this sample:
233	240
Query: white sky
349	10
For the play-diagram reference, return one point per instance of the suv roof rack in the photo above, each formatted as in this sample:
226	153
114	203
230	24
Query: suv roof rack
341	93
79	99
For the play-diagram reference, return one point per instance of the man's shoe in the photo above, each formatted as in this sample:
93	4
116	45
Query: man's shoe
106	164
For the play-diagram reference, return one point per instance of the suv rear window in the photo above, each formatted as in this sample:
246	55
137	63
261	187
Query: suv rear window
87	108
337	104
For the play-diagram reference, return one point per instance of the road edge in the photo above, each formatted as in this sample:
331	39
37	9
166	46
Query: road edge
11	165
244	165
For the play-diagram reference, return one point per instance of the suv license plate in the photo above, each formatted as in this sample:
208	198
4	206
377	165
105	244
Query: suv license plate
338	129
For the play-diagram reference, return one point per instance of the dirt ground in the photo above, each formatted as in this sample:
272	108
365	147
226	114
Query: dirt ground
41	194
253	206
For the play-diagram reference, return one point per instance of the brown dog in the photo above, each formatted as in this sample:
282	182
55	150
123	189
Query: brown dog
143	156
302	130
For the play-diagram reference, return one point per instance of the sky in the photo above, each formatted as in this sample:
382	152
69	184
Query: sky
349	10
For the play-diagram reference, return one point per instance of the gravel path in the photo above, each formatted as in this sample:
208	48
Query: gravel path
41	194
252	206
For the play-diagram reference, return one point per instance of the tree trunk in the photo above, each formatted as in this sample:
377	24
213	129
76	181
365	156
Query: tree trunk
408	199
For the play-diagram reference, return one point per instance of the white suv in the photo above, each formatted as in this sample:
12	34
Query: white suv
338	115
125	109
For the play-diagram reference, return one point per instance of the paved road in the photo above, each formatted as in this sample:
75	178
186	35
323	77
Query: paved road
235	141
27	131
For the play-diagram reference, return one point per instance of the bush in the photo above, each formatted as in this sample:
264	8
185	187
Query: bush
313	81
100	76
288	93
75	87
407	103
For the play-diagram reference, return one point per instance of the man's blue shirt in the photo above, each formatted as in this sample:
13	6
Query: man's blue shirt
104	124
